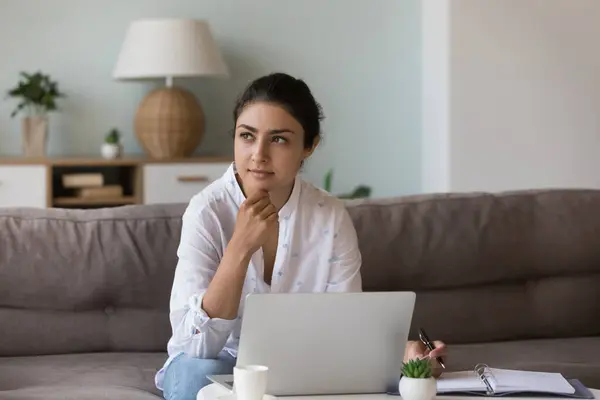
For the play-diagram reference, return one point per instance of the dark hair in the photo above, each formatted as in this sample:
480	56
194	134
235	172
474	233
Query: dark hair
290	93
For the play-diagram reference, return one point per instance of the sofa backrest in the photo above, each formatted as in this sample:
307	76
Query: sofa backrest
485	268
509	266
86	280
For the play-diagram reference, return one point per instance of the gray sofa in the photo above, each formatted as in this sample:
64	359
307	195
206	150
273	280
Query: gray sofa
511	280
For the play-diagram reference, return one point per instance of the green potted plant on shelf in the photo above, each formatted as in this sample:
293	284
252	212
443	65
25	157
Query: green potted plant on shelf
112	148
417	381
37	95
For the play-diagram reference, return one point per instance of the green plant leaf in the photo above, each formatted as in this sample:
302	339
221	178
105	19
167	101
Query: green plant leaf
35	91
328	179
19	107
417	368
113	136
360	191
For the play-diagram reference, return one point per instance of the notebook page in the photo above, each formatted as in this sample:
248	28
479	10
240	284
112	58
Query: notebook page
459	381
512	380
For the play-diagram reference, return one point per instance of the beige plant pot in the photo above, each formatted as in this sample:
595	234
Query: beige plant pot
35	136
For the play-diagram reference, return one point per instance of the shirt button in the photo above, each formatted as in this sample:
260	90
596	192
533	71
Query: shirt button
110	310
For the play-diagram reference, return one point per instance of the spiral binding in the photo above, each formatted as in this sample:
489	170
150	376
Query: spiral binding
485	375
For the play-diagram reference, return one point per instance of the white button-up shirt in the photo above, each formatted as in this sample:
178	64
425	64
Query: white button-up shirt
317	252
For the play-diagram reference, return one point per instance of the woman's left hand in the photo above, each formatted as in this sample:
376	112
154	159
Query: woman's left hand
416	349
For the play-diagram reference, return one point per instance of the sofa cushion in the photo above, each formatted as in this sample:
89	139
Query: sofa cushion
488	267
131	375
81	376
77	393
577	358
91	280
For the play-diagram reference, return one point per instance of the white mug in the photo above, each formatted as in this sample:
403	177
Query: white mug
250	381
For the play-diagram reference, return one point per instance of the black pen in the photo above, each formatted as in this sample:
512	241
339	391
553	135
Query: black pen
429	345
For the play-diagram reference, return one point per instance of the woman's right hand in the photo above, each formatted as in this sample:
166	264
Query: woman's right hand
256	217
255	222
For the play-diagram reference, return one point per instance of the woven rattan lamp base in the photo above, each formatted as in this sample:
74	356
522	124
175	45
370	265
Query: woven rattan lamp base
169	123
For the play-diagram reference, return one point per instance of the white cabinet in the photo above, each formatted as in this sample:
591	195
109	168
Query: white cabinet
179	182
23	186
38	184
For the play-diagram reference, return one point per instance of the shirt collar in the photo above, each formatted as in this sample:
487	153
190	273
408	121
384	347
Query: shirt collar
238	195
233	187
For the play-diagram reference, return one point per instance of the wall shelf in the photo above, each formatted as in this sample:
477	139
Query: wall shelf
39	182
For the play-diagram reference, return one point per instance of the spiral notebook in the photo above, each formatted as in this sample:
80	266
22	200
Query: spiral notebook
495	382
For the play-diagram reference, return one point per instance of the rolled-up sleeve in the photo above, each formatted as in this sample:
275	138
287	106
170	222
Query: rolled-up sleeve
346	260
199	255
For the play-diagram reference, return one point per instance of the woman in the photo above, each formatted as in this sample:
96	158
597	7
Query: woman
259	228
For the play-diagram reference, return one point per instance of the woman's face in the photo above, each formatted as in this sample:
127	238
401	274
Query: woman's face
269	148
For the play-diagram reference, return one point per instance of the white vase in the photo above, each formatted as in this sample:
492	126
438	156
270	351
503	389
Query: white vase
417	388
110	150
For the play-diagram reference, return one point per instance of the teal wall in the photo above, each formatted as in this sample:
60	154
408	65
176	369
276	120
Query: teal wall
360	57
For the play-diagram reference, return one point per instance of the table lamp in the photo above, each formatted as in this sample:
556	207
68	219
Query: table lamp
169	122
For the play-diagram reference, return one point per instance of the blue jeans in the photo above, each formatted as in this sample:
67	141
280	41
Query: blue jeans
186	375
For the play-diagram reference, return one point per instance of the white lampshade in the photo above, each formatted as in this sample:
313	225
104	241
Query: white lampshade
168	48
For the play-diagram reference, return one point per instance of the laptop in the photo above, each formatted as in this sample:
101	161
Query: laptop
325	343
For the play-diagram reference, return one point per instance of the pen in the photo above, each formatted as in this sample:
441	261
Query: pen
429	345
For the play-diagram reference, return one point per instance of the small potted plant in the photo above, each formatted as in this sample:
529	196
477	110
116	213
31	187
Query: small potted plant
112	148
37	94
417	382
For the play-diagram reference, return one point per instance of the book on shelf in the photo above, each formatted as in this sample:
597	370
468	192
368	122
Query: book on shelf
102	191
80	180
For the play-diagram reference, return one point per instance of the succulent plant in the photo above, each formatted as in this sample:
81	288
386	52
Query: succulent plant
417	368
112	137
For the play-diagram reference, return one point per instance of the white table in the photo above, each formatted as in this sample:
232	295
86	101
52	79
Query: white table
214	391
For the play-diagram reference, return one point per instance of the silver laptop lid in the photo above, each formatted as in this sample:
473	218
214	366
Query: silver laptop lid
327	343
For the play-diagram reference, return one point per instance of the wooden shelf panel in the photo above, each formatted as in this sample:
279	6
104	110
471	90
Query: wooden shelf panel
85	201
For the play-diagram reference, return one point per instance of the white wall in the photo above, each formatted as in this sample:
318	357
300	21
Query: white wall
523	94
435	162
361	59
